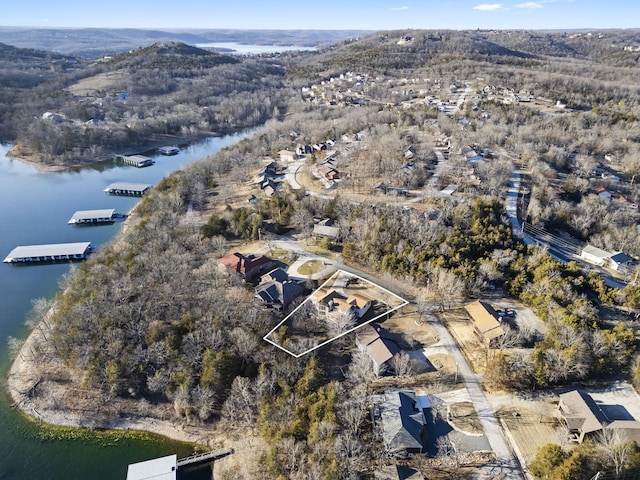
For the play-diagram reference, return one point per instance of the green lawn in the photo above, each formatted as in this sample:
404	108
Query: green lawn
310	267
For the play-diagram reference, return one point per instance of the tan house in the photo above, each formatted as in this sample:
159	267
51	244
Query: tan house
334	302
485	321
584	417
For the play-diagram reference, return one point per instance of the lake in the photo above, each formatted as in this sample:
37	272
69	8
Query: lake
246	49
35	207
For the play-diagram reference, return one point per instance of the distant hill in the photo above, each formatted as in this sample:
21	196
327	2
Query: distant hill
96	42
419	48
171	55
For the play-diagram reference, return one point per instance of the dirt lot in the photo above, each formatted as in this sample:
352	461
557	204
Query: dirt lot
532	428
458	323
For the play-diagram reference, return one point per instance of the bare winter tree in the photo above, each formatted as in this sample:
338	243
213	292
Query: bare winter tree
361	368
403	365
616	447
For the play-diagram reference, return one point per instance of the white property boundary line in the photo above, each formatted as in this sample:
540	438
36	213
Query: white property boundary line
326	342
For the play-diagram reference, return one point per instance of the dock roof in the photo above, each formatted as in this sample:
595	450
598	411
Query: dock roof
81	215
51	250
163	468
138	187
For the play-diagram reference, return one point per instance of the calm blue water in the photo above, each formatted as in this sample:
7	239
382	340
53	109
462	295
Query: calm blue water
34	209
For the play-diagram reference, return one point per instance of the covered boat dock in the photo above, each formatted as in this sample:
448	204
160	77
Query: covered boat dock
136	160
169	150
84	217
125	188
49	253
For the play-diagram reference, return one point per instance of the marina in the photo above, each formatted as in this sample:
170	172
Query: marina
85	217
126	188
49	253
37	205
138	161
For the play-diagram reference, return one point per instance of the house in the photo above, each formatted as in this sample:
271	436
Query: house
585	418
276	290
403	422
595	255
329	172
326	229
397	472
485	321
619	261
248	267
287	155
332	302
376	342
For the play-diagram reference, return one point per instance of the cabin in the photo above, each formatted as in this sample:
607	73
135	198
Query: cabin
485	321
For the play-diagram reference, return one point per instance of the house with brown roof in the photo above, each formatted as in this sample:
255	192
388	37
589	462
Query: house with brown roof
329	301
248	267
485	321
584	417
376	342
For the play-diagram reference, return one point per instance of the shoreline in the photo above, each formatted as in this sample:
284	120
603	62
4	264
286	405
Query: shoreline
28	375
41	386
17	152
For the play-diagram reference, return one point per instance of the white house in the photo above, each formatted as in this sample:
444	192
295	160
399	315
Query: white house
619	261
595	255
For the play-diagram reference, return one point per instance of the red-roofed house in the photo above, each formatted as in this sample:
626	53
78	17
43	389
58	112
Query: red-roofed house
249	266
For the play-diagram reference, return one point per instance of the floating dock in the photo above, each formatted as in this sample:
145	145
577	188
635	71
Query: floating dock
87	217
56	252
136	160
169	150
125	188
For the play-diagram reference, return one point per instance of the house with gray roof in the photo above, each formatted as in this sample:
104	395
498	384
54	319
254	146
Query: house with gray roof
402	422
276	290
397	472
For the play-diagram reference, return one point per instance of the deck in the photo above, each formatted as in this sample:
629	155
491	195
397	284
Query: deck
49	253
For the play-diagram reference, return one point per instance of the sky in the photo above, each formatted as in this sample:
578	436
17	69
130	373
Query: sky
325	14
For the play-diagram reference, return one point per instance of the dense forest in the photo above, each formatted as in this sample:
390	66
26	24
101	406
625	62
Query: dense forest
151	323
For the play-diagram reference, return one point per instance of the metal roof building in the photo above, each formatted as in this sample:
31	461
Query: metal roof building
48	253
126	188
93	216
163	468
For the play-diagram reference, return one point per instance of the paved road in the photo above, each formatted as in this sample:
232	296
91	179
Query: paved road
507	466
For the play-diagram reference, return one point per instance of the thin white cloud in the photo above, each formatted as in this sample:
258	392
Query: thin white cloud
488	7
529	5
399	8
